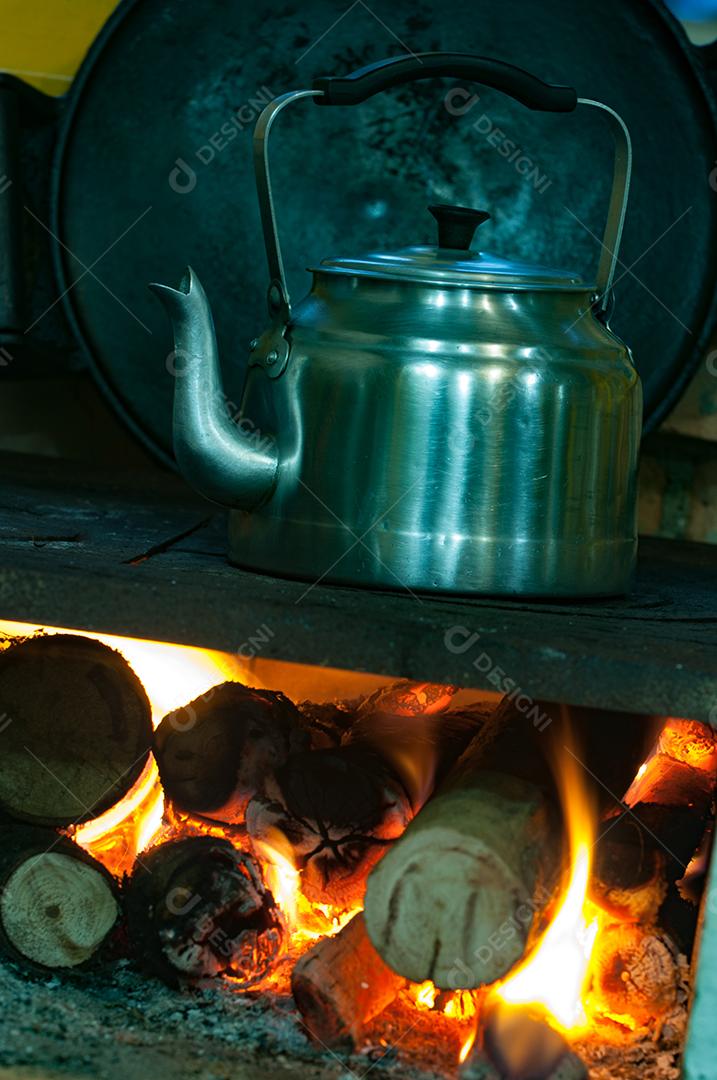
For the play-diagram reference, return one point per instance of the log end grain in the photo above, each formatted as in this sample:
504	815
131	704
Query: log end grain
57	904
215	753
198	908
451	902
342	984
77	731
635	974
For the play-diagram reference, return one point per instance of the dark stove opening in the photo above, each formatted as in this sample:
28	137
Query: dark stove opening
315	866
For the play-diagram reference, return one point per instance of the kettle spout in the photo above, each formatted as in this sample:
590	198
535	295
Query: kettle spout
222	461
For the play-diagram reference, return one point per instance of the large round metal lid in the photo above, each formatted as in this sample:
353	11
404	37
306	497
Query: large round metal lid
452	262
166	180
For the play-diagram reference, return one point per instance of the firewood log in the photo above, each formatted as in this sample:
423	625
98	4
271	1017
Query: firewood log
421	748
635	974
58	905
340	985
647	843
327	721
407	698
331	723
216	753
516	1043
331	813
199	908
453	901
78	729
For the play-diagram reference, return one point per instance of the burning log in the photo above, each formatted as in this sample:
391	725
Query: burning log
454	899
648	842
636	975
421	748
331	813
327	721
517	1044
408	698
78	729
58	905
330	722
342	984
198	908
216	753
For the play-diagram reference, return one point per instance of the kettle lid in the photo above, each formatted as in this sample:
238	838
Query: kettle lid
451	261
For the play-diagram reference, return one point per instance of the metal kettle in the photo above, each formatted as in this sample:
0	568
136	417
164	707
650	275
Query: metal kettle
433	418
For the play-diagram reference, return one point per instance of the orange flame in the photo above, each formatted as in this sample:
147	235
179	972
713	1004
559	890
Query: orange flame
467	1046
555	975
308	922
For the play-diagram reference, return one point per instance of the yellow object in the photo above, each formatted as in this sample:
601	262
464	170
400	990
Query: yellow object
44	42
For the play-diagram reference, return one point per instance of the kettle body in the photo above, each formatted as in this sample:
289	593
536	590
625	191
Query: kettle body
433	418
448	439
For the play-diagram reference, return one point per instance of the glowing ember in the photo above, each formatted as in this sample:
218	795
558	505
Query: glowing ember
425	995
308	922
129	827
554	978
555	975
460	1006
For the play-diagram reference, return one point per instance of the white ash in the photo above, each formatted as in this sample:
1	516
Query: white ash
118	1023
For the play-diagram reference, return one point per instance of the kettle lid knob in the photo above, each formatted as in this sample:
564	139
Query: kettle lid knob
456	225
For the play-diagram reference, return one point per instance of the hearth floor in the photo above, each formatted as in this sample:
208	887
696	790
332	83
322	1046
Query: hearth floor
119	1023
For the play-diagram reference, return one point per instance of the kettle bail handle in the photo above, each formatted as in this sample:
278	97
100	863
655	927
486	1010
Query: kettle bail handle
528	89
374	78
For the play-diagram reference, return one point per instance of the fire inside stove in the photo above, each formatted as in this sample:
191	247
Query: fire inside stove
406	856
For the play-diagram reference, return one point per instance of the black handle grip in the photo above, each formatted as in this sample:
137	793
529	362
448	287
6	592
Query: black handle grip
521	85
